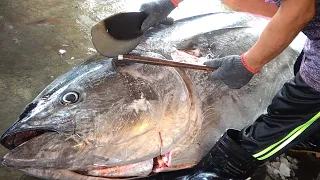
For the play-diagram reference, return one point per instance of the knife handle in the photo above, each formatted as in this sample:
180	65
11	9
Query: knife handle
162	62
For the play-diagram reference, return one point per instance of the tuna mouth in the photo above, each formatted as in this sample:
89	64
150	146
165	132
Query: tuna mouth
15	136
16	139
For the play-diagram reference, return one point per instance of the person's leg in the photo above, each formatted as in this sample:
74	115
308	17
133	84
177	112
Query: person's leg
292	116
312	143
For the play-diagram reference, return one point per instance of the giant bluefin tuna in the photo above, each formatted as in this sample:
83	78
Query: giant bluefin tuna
104	119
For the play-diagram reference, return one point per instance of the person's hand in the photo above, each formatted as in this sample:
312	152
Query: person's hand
231	70
157	11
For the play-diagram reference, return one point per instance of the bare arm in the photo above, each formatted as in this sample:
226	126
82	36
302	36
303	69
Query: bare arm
290	19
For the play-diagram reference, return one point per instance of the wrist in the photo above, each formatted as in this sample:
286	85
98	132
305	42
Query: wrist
250	63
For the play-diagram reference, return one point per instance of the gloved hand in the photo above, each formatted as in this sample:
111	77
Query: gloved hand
232	70
157	11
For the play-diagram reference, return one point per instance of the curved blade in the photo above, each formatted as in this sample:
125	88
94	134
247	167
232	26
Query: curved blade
118	34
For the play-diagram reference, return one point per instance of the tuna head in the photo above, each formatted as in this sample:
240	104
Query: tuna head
102	119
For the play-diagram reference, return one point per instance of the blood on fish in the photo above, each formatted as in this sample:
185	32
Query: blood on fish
163	163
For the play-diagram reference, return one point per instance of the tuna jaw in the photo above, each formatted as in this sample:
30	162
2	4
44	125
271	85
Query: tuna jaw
141	169
18	158
131	171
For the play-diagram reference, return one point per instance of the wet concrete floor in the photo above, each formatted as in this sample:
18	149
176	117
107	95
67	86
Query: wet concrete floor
32	33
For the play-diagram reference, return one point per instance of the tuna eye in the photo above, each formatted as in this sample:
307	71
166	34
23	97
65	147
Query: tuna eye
70	98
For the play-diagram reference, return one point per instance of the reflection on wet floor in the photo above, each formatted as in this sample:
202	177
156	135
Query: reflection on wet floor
40	40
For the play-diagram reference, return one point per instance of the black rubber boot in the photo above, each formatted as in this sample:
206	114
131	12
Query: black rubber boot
228	160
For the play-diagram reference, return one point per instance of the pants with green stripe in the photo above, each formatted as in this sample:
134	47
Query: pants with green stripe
292	116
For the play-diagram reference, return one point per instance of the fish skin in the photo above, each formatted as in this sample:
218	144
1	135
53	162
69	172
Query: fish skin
123	107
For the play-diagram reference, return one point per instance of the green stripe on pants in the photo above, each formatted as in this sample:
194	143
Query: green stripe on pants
286	140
